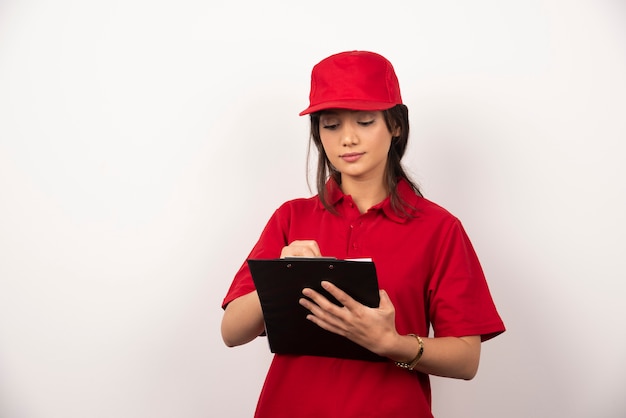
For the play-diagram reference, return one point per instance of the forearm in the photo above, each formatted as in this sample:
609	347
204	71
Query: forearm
446	356
374	329
243	320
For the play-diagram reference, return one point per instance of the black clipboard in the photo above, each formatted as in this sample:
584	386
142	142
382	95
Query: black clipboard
279	283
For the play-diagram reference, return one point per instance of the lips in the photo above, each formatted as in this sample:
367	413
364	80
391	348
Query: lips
351	156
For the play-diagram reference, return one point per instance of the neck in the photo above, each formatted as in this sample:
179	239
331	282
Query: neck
365	193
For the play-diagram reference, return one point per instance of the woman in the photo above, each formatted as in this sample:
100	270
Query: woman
367	206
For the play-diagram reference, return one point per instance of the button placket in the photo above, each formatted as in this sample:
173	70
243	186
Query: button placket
354	245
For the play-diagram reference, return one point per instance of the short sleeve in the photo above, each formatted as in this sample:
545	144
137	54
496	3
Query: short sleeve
459	300
270	244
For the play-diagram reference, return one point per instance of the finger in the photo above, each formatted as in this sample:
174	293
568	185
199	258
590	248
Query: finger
313	247
341	296
297	250
320	301
320	316
325	324
301	248
312	307
294	251
385	301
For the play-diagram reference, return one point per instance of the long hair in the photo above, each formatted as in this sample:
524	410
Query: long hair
396	117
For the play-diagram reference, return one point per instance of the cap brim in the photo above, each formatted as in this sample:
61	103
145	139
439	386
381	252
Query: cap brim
348	104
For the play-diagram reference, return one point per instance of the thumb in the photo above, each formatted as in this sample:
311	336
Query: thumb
385	301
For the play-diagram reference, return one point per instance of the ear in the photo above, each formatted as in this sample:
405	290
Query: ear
396	131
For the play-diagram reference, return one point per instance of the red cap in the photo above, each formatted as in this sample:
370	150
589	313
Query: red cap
356	80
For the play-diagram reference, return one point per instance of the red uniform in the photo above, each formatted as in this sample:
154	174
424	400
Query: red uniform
428	267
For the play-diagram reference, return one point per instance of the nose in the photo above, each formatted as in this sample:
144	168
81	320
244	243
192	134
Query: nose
348	135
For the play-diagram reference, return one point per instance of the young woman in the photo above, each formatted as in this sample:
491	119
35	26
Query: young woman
367	206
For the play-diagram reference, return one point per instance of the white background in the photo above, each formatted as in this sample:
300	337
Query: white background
144	144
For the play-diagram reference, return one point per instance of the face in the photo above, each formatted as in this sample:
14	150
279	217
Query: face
356	143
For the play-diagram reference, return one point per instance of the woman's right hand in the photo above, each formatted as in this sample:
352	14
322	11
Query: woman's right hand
301	248
243	317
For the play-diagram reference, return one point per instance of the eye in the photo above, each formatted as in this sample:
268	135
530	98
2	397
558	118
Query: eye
329	124
366	122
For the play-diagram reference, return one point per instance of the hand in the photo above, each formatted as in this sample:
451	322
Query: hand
302	248
372	328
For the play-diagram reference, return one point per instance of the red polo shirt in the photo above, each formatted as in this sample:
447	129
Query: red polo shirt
428	267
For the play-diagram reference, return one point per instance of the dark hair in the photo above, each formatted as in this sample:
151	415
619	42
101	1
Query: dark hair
396	117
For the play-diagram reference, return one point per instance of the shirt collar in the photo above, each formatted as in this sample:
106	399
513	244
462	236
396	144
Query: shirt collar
334	195
333	192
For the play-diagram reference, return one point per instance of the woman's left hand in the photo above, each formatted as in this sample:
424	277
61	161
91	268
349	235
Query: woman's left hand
372	328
